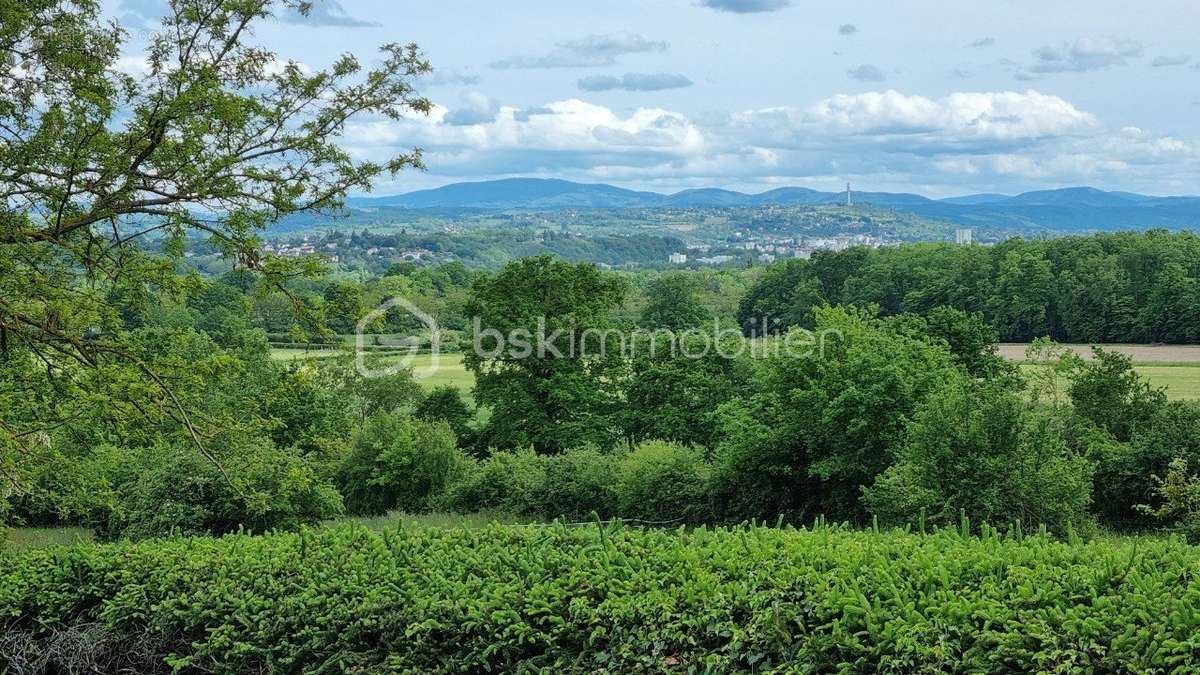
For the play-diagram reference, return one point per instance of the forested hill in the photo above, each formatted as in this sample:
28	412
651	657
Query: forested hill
1076	208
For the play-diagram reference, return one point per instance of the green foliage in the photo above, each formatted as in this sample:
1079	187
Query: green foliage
573	485
213	140
1179	496
981	450
664	482
815	429
620	600
561	394
160	490
675	386
1109	393
1125	474
446	404
397	462
674	303
1123	287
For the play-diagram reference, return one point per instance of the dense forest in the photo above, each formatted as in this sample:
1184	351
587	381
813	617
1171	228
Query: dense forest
1124	287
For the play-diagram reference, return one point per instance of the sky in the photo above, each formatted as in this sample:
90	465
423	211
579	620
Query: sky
936	97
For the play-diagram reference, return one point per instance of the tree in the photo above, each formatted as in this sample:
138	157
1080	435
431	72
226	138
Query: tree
673	303
446	404
217	137
816	428
543	359
1110	394
979	449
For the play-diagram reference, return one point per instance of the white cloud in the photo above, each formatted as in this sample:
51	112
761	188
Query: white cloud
978	140
1084	55
635	82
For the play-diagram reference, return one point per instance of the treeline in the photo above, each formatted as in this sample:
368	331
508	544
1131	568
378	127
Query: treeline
906	419
1124	287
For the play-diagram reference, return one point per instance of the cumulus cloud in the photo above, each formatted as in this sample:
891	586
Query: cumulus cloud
635	82
746	6
1084	55
476	108
325	13
847	29
970	139
589	51
981	42
867	73
1168	61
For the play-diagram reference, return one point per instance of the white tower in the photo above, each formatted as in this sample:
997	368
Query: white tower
849	202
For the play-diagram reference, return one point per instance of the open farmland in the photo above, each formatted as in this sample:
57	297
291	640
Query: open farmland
1174	367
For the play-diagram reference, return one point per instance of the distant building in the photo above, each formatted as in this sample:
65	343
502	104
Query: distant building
678	258
766	257
962	236
803	253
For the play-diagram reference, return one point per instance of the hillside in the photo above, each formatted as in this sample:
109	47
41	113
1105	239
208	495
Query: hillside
1066	209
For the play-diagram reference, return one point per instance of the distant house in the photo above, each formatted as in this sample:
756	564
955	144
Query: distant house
678	258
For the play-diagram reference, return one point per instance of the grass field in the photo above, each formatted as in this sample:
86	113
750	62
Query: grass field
1175	367
450	369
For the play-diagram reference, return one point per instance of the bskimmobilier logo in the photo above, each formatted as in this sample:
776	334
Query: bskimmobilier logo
400	352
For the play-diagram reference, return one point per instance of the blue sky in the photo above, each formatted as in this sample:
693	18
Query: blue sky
928	96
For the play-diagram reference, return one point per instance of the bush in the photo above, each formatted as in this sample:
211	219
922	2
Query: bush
1125	471
162	490
982	450
622	600
661	481
1179	493
397	462
570	485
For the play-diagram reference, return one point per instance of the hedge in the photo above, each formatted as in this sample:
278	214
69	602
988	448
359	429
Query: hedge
586	599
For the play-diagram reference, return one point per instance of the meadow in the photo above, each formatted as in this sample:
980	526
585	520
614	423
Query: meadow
450	370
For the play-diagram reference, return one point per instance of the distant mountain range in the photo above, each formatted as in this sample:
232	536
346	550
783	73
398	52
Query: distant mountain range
1064	209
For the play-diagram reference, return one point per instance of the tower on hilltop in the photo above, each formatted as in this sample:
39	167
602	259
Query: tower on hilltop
849	202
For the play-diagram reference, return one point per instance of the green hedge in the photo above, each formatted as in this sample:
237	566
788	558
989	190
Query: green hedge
513	598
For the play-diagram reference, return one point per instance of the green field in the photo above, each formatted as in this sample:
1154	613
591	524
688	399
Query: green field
450	369
1174	367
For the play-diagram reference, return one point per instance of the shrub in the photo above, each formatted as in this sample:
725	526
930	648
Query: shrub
621	600
397	462
1179	493
165	489
570	485
982	450
1125	471
661	481
578	483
